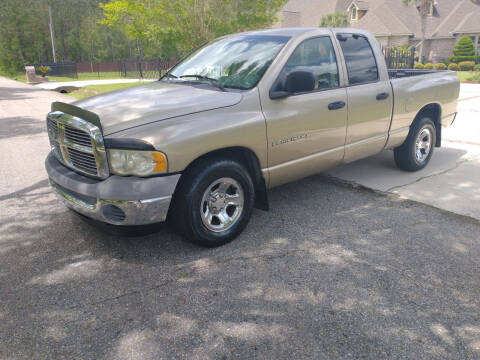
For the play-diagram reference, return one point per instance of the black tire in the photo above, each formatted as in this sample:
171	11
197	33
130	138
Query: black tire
406	155
186	214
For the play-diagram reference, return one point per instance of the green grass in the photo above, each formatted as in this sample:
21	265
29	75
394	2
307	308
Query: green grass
92	90
470	76
81	76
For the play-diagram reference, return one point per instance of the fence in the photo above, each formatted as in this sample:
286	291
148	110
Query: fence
66	69
400	58
137	69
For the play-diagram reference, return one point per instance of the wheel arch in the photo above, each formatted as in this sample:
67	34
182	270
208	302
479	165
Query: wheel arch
433	111
247	158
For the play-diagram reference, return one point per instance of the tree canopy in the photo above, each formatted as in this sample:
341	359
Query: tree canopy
92	30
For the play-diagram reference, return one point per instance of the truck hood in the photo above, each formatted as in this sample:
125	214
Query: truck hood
139	105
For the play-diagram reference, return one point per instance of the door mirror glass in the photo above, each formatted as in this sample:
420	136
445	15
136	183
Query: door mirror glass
300	81
296	82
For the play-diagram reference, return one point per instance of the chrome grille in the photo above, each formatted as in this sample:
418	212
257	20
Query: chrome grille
83	161
77	136
77	144
52	127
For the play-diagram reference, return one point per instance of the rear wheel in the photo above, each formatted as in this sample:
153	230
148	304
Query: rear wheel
214	202
417	150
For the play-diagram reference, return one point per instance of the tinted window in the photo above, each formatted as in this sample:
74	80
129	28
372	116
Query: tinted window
316	55
359	58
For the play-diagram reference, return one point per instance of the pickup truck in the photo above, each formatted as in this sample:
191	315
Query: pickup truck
242	114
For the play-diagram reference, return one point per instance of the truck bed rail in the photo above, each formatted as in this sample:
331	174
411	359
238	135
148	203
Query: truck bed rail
401	73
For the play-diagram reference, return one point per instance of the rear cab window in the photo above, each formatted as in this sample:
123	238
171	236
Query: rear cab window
359	59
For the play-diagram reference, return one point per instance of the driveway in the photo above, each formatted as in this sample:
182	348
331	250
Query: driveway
452	179
331	272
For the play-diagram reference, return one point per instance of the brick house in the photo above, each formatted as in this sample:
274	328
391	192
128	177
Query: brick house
393	23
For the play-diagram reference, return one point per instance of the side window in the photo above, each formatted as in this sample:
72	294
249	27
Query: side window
316	55
359	58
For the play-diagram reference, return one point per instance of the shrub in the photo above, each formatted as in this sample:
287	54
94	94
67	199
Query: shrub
428	66
466	65
44	69
464	50
453	67
476	68
418	66
440	66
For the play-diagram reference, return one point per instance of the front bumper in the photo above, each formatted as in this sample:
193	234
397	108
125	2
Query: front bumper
116	200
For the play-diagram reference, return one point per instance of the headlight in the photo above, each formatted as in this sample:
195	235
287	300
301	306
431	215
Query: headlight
136	162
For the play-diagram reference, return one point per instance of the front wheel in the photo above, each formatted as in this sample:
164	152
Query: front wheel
214	202
417	150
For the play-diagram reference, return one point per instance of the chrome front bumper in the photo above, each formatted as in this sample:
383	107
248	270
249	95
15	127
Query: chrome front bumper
116	200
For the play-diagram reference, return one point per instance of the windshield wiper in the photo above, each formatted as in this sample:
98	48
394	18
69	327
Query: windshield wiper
210	80
167	75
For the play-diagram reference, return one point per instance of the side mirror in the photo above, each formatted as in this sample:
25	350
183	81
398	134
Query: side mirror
296	82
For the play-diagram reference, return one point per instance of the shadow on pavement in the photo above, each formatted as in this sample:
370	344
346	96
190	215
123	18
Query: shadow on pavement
329	273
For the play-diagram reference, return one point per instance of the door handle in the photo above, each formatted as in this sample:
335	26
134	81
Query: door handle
336	105
383	96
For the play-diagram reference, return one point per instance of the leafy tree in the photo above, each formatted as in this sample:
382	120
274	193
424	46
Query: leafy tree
25	35
423	7
172	28
464	50
334	20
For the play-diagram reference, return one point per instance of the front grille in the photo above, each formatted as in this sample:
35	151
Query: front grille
52	128
83	161
77	136
75	142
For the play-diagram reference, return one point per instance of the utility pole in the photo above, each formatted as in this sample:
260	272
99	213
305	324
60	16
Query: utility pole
52	32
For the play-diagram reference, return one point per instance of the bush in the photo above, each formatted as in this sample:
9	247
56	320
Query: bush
440	66
476	68
464	50
428	66
418	66
453	67
44	69
466	65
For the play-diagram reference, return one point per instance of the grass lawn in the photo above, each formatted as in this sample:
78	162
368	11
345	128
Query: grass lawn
92	90
473	76
81	76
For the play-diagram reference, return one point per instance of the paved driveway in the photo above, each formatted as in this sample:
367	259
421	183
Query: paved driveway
452	179
331	272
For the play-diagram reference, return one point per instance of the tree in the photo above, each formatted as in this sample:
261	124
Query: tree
423	7
464	50
334	20
172	28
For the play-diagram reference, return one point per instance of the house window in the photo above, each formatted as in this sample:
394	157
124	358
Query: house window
431	8
354	12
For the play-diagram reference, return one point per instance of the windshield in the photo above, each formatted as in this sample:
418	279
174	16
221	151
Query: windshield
237	62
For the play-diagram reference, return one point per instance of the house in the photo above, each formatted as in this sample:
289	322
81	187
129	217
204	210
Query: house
395	24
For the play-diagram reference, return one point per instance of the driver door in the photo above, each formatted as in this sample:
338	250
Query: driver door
306	131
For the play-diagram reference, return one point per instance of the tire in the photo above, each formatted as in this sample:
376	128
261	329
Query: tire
411	157
209	188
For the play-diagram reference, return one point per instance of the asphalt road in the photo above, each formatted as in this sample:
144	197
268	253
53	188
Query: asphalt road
331	272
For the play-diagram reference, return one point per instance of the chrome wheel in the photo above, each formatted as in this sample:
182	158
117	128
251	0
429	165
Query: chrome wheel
423	145
222	204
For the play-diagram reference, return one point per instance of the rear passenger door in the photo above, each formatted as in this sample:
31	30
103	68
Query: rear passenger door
370	98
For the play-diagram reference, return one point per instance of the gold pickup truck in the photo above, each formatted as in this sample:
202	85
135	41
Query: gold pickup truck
244	113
